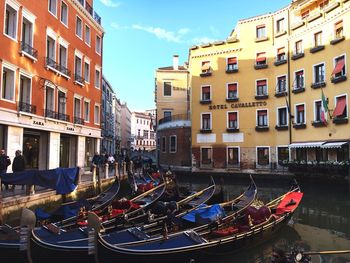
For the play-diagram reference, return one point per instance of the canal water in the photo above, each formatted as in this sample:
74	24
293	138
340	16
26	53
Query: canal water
321	222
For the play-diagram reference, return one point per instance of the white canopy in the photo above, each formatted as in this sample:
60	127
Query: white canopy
305	144
333	144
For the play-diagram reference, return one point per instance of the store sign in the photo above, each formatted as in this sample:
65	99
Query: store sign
70	128
238	105
38	123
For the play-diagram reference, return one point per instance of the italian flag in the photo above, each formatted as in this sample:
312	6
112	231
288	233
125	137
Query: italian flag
324	109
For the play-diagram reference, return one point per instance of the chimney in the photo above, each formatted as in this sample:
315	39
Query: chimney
176	62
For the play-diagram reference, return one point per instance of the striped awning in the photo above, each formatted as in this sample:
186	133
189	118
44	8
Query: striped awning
306	144
333	144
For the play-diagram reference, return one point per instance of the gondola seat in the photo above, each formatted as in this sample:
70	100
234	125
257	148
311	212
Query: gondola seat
225	232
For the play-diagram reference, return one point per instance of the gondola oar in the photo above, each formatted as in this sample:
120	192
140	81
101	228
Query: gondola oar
300	256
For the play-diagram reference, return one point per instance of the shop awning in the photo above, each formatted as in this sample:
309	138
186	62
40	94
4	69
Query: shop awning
306	144
333	144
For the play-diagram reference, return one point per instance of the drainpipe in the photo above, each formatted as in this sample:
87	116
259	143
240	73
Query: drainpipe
288	74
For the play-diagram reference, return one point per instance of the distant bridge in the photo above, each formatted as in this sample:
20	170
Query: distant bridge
144	155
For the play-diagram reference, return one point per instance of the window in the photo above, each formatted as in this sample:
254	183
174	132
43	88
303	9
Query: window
25	92
53	7
8	84
50	102
338	30
78	69
324	4
64	13
281	84
87	72
305	14
87	35
77	108
51	51
232	91
262	118
167	89
27	36
206	121
79	27
145	134
261	58
63	57
62	106
281	54
11	22
98	45
299	80
205	66
173	144
300	114
97	114
339	69
232	120
232	64
298	47
260	31
163	144
319	73
97	78
206	93
263	154
167	115
280	25
282	154
282	117
261	88
232	155
206	154
340	110
318	111
318	39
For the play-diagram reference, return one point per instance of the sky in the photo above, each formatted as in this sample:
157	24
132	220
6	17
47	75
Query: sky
143	35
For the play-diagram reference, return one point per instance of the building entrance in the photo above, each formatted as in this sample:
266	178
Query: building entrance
2	137
35	149
68	149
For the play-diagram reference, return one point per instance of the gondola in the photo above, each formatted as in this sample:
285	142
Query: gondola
10	236
52	243
249	228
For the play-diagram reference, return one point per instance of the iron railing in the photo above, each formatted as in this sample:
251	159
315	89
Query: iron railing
90	10
63	117
78	78
78	120
64	70
50	113
26	107
25	47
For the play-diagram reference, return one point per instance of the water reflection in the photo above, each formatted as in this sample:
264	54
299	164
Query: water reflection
322	221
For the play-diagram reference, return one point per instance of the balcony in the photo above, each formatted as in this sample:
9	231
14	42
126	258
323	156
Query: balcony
317	85
318	123
26	107
205	101
261	128
29	51
64	71
317	48
281	127
299	126
51	64
298	55
78	120
50	114
90	10
63	117
261	97
79	79
279	94
260	66
338	79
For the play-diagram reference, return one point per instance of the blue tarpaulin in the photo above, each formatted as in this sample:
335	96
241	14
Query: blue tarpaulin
63	180
204	214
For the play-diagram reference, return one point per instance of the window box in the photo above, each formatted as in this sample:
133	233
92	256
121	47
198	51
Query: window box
205	74
337	40
232	130
318	85
316	49
280	94
261	39
337	120
297	56
338	79
205	130
231	99
317	124
314	17
205	101
232	70
299	126
296	25
281	128
260	66
261	97
261	128
298	90
280	62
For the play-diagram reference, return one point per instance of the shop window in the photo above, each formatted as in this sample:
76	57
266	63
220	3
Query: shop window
167	91
232	91
64	13
8	84
262	118
321	154
300	114
232	156
232	120
172	144
342	153
282	117
282	154
263	155
301	154
206	154
79	28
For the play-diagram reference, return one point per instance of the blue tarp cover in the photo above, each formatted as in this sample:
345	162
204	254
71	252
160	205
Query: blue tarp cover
63	180
205	215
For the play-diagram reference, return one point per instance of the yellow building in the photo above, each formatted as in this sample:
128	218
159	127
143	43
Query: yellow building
242	87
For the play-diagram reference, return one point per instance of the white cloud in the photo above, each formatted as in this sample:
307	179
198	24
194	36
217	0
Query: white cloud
201	40
117	26
110	3
162	33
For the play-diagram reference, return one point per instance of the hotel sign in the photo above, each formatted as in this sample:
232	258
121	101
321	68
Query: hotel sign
238	105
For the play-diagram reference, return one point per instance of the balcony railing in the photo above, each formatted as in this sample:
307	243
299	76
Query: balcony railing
50	114
91	11
64	70
78	120
178	117
63	117
29	50
78	78
52	63
26	107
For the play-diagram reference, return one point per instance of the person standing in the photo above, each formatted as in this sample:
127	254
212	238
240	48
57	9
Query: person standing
18	164
4	163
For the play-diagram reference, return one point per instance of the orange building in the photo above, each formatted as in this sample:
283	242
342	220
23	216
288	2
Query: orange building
51	70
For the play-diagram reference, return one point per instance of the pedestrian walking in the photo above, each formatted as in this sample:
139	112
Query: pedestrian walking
4	163
18	164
